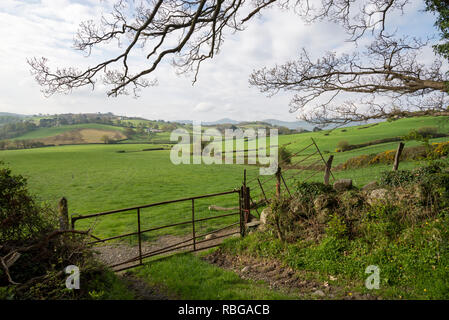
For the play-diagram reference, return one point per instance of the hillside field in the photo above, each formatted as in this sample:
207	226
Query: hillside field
98	178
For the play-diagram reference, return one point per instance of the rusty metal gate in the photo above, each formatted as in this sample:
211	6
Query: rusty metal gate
191	244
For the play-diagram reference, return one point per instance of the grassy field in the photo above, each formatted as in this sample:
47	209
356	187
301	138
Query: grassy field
105	177
99	177
53	131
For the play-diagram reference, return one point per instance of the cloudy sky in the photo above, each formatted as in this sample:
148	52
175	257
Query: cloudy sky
36	28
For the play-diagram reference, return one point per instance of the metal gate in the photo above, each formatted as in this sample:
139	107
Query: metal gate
192	244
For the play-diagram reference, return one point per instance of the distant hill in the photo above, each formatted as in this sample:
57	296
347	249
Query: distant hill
7	114
294	125
211	123
221	121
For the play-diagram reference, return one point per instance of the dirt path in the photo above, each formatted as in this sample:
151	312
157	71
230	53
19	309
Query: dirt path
143	291
271	272
119	252
115	253
285	278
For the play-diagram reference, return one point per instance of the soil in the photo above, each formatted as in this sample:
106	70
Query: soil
81	136
116	253
282	278
112	254
142	291
272	272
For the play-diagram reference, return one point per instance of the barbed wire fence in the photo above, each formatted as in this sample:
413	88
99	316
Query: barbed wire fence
301	165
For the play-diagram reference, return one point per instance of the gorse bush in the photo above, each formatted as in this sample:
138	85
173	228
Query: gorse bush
439	150
343	146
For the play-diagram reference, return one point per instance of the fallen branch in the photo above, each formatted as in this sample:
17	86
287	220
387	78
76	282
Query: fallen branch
10	258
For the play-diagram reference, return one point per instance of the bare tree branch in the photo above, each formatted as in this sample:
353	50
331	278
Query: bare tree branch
387	79
190	31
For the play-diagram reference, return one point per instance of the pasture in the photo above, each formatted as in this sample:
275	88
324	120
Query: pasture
98	178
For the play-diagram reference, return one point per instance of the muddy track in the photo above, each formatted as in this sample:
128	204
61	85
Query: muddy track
277	276
143	291
283	278
115	253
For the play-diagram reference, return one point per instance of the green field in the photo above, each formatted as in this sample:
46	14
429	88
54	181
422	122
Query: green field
97	178
54	131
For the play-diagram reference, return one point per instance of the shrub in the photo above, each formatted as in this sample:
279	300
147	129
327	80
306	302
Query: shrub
427	131
279	219
358	162
397	178
21	218
285	155
129	132
439	150
311	190
343	145
384	157
336	227
38	251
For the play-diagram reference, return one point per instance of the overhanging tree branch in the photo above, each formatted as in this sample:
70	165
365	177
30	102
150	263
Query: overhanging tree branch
387	80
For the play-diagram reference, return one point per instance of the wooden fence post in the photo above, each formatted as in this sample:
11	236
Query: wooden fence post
63	214
328	169
245	206
397	156
278	183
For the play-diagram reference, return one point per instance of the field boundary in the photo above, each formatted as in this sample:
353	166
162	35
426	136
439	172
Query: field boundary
191	244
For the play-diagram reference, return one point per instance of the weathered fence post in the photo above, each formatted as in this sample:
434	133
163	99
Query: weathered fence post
245	206
278	183
242	228
63	214
327	171
397	156
244	177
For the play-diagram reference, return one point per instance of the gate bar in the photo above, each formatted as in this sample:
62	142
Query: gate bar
152	205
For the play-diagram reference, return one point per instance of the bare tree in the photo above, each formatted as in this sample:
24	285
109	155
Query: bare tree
190	31
385	81
387	76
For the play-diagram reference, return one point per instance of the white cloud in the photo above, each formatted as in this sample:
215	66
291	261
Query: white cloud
46	28
204	107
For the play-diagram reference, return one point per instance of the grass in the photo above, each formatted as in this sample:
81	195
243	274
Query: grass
98	178
413	266
189	278
355	135
405	237
54	131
